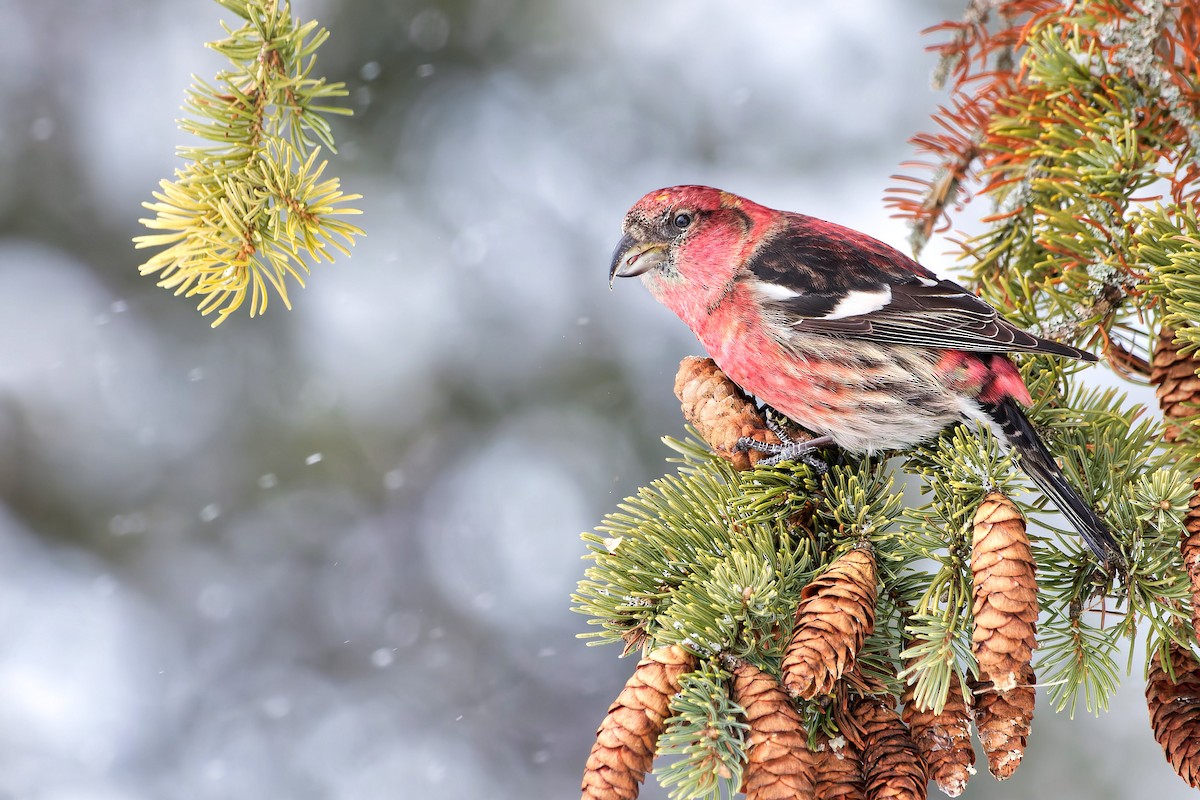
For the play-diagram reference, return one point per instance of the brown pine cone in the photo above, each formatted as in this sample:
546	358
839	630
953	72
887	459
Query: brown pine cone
779	765
1189	546
1178	389
720	412
1006	603
943	738
835	616
1175	382
626	739
1003	721
892	765
1175	711
839	770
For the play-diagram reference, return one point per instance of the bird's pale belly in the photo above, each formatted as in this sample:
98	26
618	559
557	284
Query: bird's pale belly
867	397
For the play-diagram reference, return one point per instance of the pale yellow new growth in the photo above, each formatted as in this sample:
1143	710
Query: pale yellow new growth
245	212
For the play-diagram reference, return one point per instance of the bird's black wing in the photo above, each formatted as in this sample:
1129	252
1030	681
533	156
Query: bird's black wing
820	278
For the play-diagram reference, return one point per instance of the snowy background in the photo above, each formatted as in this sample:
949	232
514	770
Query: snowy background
329	553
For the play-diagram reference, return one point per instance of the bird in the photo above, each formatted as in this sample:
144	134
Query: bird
842	333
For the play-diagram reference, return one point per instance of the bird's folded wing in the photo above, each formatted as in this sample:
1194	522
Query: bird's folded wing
909	310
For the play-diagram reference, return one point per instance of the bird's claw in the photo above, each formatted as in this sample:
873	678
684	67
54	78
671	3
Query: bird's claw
788	449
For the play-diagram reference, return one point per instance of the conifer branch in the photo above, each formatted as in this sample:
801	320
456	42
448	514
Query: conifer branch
707	734
240	218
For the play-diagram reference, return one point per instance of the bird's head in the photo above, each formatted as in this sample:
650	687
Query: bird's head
687	243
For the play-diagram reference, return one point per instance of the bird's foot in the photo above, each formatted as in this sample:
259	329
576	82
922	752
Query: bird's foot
788	449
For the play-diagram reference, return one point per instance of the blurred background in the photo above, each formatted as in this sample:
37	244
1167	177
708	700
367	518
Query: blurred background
329	553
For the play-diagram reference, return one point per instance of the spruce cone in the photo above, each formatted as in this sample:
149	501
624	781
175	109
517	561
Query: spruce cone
1189	546
1003	720
779	765
1006	603
1178	388
839	770
944	739
1175	382
1175	712
625	740
892	766
719	411
835	616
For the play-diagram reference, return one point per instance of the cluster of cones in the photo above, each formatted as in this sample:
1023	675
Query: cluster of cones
880	752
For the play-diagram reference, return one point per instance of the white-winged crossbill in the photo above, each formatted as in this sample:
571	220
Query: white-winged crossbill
842	333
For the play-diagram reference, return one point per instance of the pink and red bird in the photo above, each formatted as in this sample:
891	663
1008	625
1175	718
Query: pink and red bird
842	333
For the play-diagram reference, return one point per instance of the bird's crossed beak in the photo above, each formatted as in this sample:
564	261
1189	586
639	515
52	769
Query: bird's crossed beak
632	258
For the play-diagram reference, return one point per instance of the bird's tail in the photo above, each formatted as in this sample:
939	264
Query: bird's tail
1037	462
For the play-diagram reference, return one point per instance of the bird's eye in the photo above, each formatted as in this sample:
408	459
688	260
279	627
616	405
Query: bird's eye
682	220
